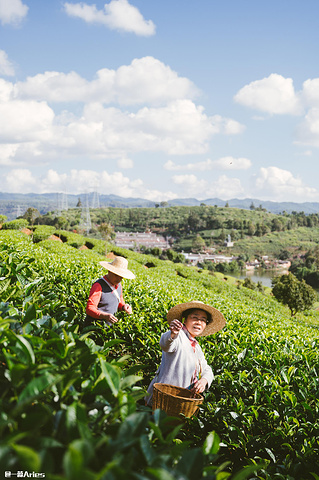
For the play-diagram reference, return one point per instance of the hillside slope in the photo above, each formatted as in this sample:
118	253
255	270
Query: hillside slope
263	402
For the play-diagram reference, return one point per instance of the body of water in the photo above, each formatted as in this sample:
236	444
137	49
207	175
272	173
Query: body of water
259	275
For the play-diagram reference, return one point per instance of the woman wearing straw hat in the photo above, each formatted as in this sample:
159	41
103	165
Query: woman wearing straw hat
106	296
183	363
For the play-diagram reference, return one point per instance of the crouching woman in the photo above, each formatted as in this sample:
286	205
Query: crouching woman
183	362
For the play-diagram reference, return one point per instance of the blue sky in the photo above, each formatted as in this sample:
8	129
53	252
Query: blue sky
160	100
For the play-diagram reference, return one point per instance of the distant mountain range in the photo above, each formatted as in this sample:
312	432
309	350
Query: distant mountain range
15	204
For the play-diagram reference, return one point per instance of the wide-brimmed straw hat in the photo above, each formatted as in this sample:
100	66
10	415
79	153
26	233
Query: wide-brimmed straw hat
119	267
217	323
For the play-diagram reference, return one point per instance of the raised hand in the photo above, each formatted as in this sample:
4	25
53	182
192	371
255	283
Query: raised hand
175	327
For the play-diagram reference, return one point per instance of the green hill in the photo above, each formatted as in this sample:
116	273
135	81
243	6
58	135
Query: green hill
255	232
71	399
13	204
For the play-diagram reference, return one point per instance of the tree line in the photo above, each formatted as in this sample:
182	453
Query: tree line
178	221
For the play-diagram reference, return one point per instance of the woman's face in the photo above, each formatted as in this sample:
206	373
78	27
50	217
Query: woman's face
195	322
113	278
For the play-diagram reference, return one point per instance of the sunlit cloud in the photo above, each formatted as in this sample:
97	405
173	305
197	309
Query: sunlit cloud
6	67
307	133
223	187
274	95
125	163
310	92
162	117
81	181
281	185
178	128
117	15
12	12
144	81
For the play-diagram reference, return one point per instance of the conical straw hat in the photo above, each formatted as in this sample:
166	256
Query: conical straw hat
119	267
218	320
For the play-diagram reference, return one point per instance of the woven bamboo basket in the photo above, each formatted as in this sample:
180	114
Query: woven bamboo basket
175	400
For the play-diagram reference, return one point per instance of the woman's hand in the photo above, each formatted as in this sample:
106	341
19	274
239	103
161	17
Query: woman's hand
175	327
108	317
127	309
199	385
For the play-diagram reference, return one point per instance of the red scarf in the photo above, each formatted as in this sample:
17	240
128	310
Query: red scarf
190	338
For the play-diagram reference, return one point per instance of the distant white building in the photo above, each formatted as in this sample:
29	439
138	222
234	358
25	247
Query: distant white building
284	264
147	239
195	258
228	242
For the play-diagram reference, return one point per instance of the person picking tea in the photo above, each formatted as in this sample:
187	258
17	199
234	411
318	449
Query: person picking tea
106	296
183	362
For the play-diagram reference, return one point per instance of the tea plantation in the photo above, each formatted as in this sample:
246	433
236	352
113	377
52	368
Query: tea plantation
71	398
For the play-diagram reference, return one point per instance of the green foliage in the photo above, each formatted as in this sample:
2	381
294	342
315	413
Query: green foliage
248	283
17	224
97	246
198	244
106	230
68	412
71	398
73	239
61	221
274	243
297	295
31	215
42	232
255	232
307	268
226	267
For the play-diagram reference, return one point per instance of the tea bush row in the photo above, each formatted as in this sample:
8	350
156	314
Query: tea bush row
262	404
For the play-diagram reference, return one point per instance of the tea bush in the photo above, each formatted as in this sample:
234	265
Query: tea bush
42	232
16	224
71	398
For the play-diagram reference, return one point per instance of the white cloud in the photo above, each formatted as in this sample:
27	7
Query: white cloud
224	163
189	180
227	126
25	121
170	165
145	80
19	181
125	163
172	123
6	67
281	185
55	87
6	90
181	127
178	128
116	15
149	80
274	94
80	181
223	187
307	133
310	92
12	12
17	154
7	153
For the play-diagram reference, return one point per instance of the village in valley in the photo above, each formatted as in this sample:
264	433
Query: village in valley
149	240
